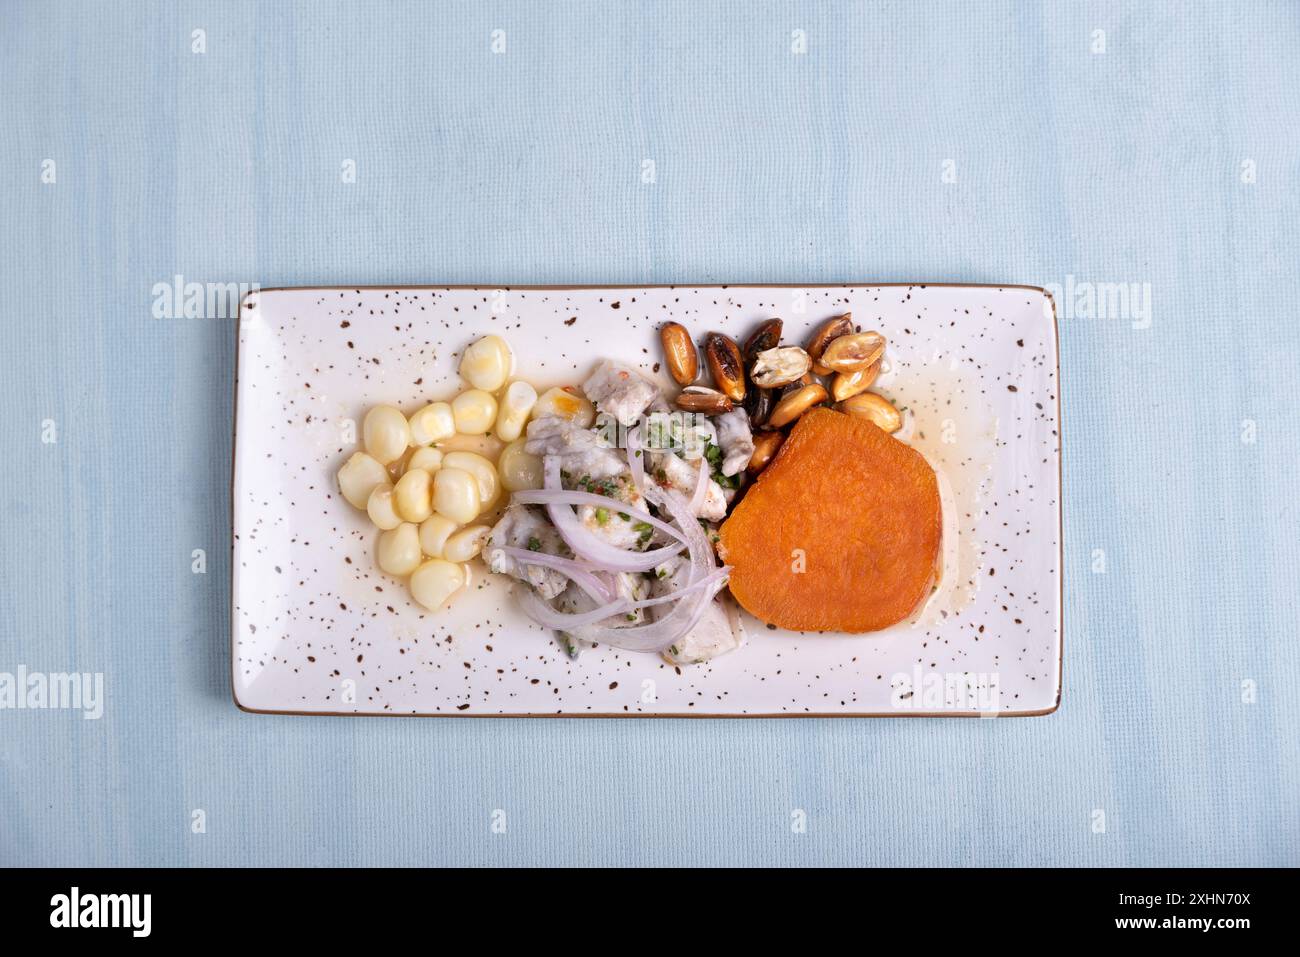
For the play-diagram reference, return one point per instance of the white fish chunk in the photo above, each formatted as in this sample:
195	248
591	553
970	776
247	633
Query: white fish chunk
675	473
581	451
620	391
522	527
632	586
688	433
736	439
717	632
607	522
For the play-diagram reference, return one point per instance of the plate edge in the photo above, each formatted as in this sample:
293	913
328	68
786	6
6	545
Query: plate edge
1060	538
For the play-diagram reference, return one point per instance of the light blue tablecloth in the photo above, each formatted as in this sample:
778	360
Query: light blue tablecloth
956	141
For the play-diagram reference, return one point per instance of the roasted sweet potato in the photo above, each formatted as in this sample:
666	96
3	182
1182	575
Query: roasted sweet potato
839	533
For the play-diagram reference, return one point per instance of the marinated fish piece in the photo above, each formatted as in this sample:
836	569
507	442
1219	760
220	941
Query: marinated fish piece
608	522
736	440
717	632
632	586
687	433
573	601
673	472
581	451
526	528
620	391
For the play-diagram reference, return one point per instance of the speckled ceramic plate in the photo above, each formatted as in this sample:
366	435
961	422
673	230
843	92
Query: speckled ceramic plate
317	629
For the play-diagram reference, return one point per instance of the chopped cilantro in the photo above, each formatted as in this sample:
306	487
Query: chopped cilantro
727	481
602	515
607	487
534	544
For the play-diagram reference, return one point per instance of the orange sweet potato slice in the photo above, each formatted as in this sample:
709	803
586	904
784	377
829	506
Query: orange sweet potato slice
839	533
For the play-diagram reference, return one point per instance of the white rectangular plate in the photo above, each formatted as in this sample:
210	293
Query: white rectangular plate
317	629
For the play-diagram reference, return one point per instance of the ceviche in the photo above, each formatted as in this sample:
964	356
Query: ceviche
635	515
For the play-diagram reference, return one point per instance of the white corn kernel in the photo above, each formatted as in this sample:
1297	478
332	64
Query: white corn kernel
484	472
413	495
425	458
474	411
566	403
397	467
399	549
433	423
513	411
380	508
487	363
518	468
385	433
435	581
434	532
466	543
358	477
455	495
488	446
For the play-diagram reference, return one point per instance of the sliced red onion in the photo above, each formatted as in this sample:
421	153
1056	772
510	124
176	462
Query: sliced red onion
587	545
547	496
687	612
689	602
718	574
581	575
606	578
636	458
655	636
539	611
701	488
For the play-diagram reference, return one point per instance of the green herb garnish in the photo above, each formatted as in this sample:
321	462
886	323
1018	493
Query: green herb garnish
727	481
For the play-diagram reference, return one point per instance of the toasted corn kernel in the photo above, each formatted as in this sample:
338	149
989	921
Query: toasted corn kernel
780	366
766	445
679	353
854	352
875	409
796	403
848	384
827	331
699	399
767	336
723	357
